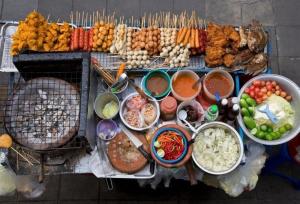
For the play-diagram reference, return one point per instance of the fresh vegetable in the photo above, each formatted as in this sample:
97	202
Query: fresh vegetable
245	112
249	122
110	109
171	145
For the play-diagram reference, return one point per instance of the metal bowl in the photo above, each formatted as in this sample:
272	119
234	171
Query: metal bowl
292	89
233	132
101	100
123	105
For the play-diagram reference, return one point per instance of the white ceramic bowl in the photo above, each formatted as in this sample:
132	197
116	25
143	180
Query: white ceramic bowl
233	132
292	89
123	106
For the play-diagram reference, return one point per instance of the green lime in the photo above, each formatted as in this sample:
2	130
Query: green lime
260	135
254	131
288	126
282	130
269	137
263	128
270	129
276	136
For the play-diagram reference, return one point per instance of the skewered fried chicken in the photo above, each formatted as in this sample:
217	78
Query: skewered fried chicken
229	60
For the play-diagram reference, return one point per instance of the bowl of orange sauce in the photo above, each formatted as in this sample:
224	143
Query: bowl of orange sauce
182	85
218	81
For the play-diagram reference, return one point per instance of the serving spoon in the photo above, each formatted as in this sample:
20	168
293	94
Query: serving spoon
182	116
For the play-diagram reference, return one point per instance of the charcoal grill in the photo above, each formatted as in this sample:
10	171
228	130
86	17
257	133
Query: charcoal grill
46	106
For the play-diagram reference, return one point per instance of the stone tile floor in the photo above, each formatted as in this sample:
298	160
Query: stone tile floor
282	20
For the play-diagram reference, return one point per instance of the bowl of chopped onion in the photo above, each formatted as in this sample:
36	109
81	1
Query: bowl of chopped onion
217	149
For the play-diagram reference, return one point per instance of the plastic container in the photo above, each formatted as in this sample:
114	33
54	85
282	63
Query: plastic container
107	129
199	109
194	76
161	73
168	108
292	89
210	96
102	100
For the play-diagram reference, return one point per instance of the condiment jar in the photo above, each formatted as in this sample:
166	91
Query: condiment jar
168	108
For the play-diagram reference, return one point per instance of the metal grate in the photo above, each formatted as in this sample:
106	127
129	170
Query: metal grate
43	112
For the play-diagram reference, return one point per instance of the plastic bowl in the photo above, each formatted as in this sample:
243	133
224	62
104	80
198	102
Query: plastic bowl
157	134
292	89
101	100
153	73
211	96
193	75
104	127
233	132
123	106
197	106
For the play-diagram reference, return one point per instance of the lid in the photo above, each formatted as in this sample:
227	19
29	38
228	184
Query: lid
168	104
235	107
224	102
213	109
234	100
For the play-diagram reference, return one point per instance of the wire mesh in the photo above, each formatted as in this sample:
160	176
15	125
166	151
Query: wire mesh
42	113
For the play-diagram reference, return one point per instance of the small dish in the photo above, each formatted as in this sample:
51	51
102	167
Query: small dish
155	151
103	99
107	129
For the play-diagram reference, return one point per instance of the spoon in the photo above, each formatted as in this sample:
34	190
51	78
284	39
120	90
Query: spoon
198	81
217	95
265	109
123	79
182	116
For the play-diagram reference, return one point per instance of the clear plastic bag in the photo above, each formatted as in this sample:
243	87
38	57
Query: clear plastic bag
245	177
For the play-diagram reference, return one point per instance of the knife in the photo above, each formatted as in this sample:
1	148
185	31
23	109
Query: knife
137	143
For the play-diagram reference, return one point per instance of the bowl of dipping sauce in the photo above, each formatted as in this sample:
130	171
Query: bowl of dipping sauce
157	84
217	81
182	85
107	129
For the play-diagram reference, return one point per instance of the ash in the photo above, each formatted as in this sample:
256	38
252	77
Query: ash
46	116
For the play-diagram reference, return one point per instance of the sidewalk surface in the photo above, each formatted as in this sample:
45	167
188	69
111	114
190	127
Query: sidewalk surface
282	18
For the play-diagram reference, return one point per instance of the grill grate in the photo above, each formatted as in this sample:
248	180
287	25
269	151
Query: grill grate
43	113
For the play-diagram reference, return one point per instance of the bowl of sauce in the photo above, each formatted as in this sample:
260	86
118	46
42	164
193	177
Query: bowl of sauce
157	84
218	81
182	85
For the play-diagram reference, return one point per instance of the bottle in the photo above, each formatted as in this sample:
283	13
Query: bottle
212	113
168	108
232	114
232	101
223	108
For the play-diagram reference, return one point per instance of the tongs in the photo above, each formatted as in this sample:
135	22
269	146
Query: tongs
101	152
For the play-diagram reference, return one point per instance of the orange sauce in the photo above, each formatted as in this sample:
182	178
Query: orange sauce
183	85
218	83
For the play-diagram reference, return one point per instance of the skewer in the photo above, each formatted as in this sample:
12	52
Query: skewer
22	156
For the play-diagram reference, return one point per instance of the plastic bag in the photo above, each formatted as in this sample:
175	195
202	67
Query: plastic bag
245	177
7	181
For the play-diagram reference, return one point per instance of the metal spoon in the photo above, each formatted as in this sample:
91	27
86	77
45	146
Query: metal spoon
123	79
198	81
182	116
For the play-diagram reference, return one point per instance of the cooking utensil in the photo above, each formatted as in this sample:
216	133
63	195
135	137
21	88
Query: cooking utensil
138	89
182	116
137	143
265	109
123	79
198	81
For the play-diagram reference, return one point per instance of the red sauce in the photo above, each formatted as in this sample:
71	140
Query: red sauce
218	83
157	84
183	85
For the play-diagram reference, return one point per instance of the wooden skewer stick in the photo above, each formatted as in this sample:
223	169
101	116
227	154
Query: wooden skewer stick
22	156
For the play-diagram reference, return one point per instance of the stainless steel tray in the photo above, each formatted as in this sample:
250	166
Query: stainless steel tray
97	86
